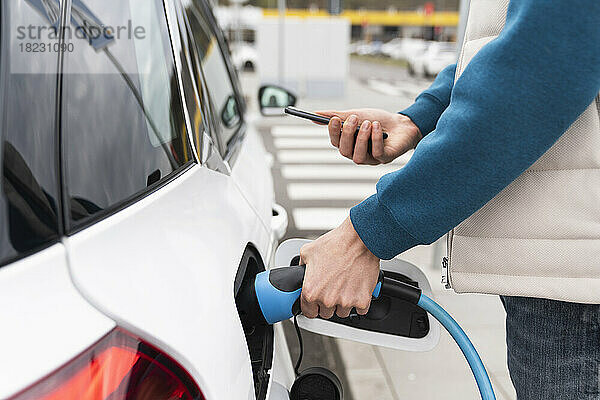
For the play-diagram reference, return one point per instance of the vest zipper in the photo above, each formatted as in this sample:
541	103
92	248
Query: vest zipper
445	273
446	280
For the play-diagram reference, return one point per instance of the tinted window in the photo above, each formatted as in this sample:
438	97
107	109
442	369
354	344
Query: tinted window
29	191
218	81
123	121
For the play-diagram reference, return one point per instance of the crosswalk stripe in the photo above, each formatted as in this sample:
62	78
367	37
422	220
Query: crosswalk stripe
324	156
409	89
315	218
330	191
384	87
299	131
342	172
311	156
304	142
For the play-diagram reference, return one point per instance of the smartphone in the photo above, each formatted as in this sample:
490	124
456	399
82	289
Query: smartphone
296	112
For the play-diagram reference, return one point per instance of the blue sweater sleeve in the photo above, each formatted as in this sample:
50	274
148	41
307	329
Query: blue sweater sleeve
429	105
513	101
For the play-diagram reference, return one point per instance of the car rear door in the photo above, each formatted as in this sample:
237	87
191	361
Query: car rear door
154	239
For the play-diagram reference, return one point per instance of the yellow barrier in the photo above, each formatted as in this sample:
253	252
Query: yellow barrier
356	17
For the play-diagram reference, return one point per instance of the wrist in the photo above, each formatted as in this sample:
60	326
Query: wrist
406	124
355	239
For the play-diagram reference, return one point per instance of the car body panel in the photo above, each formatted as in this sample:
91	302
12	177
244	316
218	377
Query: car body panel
45	321
164	268
252	174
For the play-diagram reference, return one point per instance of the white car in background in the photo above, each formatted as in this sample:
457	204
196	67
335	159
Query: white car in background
365	48
408	48
244	57
389	47
437	57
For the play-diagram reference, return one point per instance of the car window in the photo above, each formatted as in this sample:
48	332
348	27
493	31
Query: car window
194	91
29	190
218	81
123	124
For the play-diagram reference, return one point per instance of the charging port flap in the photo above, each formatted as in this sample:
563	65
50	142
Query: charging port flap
390	322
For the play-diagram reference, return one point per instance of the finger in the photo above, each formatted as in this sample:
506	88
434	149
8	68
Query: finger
363	306
309	309
377	141
326	312
362	143
343	312
347	139
335	131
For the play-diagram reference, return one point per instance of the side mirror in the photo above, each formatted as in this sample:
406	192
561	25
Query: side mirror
273	99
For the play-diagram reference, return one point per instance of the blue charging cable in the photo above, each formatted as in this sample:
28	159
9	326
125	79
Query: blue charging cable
276	297
461	339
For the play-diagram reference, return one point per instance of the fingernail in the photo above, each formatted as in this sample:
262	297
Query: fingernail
366	125
335	123
376	125
352	118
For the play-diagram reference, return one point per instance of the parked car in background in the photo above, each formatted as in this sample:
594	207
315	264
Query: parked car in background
244	57
364	48
408	48
437	57
388	47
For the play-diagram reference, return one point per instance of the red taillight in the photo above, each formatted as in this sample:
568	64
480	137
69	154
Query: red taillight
118	367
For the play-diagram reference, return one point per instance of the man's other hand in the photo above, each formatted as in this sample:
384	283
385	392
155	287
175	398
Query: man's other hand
341	273
403	134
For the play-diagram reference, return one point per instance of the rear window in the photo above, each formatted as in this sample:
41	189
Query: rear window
29	190
123	124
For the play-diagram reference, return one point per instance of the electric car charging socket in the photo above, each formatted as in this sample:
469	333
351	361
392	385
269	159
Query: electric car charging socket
374	334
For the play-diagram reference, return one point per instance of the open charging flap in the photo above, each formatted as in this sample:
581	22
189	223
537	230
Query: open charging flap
390	322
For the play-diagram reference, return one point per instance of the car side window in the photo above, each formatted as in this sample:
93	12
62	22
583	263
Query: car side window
226	112
123	122
29	194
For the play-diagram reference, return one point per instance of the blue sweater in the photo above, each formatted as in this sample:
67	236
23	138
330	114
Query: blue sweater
515	98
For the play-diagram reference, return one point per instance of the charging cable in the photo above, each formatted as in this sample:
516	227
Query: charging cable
276	297
462	340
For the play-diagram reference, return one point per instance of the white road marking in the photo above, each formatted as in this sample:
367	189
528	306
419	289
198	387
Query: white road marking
342	172
324	156
311	156
315	218
304	142
384	87
330	191
408	88
299	131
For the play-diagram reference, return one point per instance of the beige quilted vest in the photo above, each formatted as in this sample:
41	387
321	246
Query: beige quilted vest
540	237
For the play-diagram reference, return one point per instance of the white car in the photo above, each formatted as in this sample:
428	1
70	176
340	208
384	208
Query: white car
128	227
244	57
437	57
389	47
136	204
408	48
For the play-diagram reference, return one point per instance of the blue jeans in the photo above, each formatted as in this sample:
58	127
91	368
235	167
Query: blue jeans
553	349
